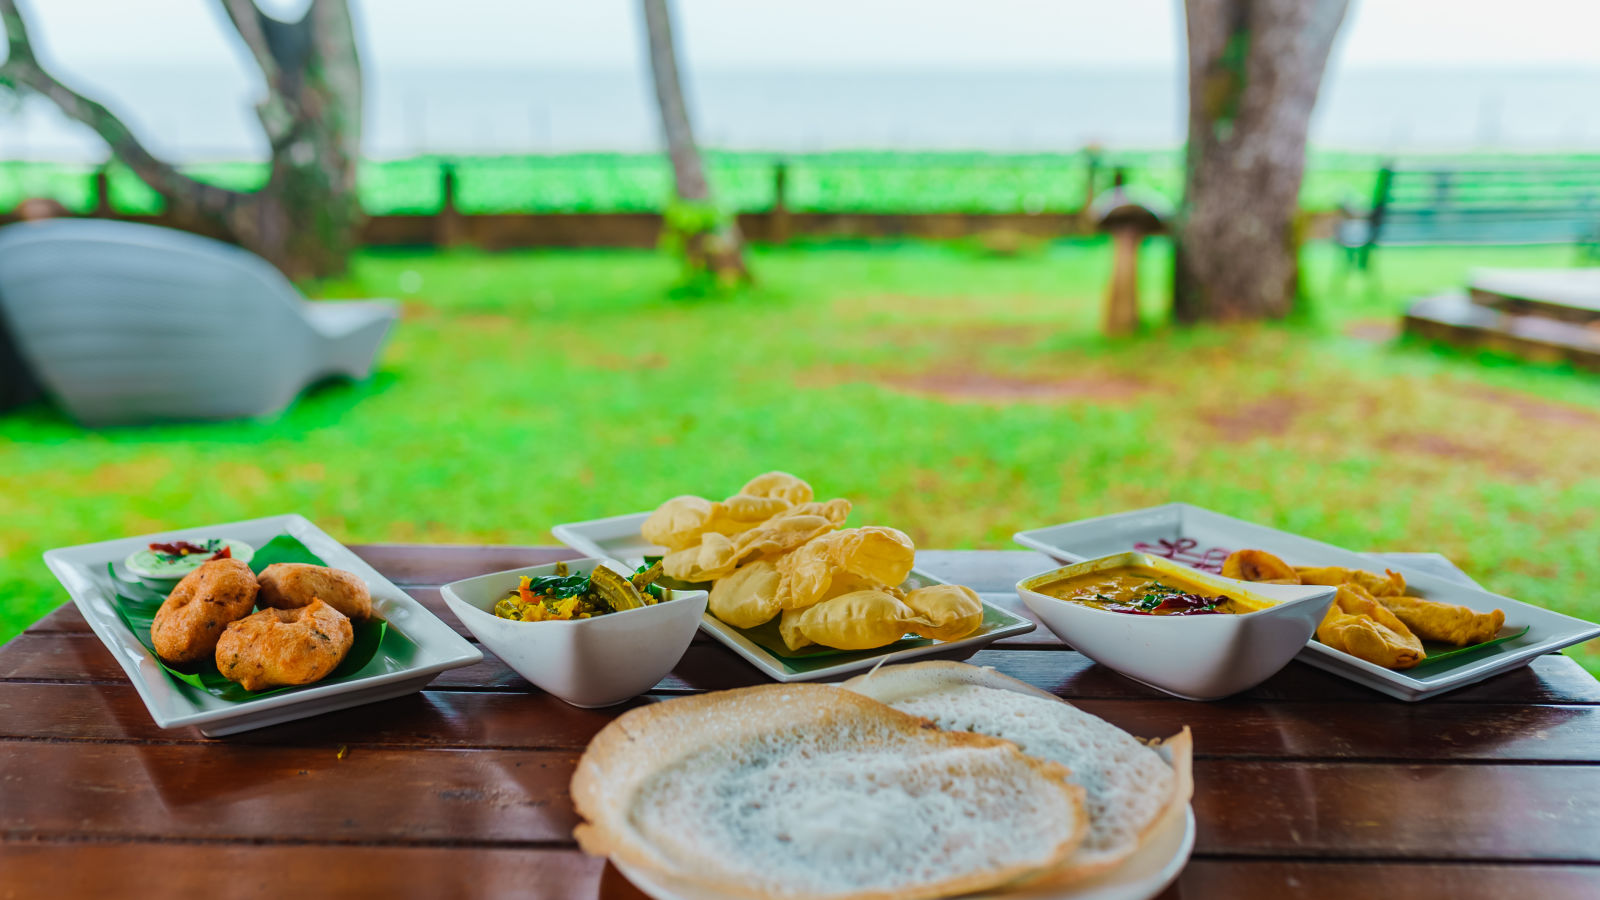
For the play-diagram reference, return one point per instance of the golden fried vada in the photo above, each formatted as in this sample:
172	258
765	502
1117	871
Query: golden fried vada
293	585
280	647
193	616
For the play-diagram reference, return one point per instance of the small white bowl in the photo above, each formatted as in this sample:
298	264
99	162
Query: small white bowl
589	663
1193	657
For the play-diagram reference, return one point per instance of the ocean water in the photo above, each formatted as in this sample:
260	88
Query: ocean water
202	115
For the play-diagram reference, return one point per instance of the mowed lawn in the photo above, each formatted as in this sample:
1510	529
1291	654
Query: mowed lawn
956	394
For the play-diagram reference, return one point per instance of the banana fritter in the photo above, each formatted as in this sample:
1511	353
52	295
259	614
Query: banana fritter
193	616
278	647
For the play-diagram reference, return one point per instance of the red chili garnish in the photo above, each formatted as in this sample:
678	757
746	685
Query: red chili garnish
179	548
225	553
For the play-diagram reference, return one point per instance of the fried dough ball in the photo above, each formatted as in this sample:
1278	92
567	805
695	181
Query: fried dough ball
952	611
293	585
716	556
193	616
880	556
789	630
748	597
280	647
1258	565
781	485
860	620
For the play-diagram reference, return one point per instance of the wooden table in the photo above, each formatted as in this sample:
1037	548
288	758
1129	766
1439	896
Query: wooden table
1307	786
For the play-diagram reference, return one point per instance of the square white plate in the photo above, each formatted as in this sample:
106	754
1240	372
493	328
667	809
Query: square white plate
437	647
618	538
1176	524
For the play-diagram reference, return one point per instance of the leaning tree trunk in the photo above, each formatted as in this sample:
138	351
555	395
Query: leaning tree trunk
1254	70
719	249
305	218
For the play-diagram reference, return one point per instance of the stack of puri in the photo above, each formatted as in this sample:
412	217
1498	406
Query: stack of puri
1372	617
926	780
301	633
773	552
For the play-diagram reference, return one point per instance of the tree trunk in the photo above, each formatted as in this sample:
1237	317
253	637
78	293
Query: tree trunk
1254	70
305	218
719	249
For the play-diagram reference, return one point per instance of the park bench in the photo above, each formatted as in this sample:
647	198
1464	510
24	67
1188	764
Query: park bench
1473	204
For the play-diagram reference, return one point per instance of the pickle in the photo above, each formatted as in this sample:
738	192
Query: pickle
617	591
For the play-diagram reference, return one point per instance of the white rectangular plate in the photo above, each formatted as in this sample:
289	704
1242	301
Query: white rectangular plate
1210	531
82	570
618	538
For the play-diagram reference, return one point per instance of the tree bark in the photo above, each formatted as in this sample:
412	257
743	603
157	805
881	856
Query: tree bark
305	218
719	250
1255	67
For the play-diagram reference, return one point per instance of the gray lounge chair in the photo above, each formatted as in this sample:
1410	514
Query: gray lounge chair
124	323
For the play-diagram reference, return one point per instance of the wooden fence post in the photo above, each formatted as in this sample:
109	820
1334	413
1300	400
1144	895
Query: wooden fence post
101	190
450	229
780	202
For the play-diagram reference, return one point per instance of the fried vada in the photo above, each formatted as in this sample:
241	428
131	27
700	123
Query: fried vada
193	616
293	585
282	647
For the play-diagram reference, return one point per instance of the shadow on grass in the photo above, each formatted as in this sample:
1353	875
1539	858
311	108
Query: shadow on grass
324	404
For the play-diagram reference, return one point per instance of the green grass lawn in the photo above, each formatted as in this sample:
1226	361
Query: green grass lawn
958	395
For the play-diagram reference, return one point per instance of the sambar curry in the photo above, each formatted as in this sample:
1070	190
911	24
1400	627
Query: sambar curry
1145	592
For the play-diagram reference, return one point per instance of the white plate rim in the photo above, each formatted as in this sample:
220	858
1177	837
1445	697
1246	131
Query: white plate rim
445	649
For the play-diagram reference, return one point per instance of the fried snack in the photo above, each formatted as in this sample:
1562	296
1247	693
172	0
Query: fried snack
877	555
280	647
1361	627
1259	566
835	510
677	523
1390	584
860	620
716	556
681	522
782	485
789	630
1447	622
748	597
193	616
952	611
293	585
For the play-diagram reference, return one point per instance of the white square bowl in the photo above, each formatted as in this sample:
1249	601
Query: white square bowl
1193	657
82	571
589	663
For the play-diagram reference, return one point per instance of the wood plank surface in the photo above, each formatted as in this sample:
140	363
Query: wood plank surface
267	793
51	870
1307	786
1230	729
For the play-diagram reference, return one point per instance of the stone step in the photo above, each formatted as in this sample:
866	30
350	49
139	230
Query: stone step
1454	318
1570	295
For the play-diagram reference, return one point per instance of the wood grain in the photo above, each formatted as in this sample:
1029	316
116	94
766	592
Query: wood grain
534	721
1307	786
204	871
251	792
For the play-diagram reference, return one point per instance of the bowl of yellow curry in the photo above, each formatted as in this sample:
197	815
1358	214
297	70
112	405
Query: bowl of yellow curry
587	630
1193	635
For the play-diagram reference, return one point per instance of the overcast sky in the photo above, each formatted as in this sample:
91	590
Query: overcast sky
820	33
